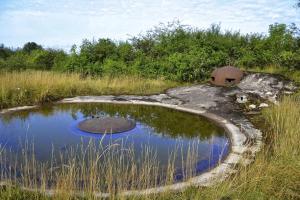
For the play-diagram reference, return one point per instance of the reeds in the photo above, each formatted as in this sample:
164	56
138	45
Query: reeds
84	170
35	87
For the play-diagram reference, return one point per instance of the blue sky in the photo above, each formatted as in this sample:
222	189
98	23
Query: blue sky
61	23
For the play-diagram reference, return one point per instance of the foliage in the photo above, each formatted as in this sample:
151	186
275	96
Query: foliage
5	52
31	46
173	51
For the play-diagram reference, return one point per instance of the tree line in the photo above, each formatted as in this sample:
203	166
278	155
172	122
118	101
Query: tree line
173	51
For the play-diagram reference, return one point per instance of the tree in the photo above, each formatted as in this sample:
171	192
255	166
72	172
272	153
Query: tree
125	51
31	46
105	48
5	52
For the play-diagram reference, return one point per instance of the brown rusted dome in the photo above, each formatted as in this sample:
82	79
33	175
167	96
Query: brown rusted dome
106	125
226	76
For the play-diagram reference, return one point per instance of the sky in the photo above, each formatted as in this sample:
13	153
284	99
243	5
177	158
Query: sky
61	23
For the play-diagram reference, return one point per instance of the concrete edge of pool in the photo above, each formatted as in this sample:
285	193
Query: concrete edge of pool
239	146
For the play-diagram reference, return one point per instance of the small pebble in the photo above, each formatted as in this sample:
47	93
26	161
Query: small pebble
252	106
263	105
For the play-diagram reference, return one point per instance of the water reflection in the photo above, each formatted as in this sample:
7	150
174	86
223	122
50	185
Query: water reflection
165	121
160	129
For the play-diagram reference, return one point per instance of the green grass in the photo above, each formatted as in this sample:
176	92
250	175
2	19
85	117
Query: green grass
36	87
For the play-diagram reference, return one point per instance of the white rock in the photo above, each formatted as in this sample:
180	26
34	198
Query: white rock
263	105
241	98
252	106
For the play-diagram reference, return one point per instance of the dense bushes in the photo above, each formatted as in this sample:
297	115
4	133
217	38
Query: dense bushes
172	51
36	58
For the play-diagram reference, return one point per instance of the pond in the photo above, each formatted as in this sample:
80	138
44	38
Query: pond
164	146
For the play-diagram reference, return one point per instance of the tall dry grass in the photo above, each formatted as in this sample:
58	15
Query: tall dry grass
95	168
275	174
34	87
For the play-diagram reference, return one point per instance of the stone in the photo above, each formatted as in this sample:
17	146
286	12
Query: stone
266	86
252	106
241	98
263	105
104	125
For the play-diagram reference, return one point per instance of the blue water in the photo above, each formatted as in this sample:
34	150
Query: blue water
161	129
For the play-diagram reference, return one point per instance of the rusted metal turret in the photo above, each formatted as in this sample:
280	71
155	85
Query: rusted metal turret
226	76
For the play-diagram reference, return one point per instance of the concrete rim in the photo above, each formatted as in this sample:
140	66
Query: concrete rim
215	175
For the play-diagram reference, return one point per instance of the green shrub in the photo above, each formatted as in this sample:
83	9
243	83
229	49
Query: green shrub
290	59
171	51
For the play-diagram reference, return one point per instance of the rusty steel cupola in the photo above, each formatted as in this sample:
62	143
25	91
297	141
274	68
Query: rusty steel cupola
226	76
